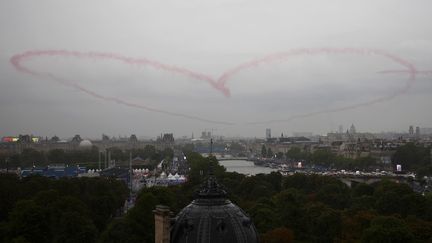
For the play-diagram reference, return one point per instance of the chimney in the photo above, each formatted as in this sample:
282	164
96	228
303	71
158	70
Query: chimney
162	224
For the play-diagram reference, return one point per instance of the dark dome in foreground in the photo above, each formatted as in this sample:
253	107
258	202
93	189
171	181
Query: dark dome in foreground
211	217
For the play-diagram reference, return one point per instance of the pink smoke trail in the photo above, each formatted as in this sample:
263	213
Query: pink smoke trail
17	59
411	70
281	56
220	83
405	71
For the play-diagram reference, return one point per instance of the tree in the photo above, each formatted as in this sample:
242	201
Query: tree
309	183
254	187
274	178
29	221
422	230
142	216
354	225
199	167
323	157
279	155
41	209
424	171
74	227
9	194
395	198
278	235
337	196
296	154
324	224
122	231
412	157
117	154
269	153
264	215
362	189
30	156
387	229
363	203
57	156
289	207
168	153
263	151
150	152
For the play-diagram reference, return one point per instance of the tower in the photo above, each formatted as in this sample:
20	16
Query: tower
268	133
352	129
411	130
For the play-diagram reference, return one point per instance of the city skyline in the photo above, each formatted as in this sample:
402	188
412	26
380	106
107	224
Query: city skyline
211	133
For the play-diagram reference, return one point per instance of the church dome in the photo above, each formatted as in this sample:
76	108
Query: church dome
211	217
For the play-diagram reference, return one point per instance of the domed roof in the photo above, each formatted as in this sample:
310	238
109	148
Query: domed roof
85	143
211	217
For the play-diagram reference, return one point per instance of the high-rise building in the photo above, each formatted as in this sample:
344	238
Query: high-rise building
352	129
268	133
411	130
206	135
105	138
417	131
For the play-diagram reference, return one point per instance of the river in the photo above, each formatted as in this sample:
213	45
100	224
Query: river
245	167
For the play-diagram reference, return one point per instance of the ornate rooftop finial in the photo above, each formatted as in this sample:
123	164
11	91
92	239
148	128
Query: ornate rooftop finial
211	146
211	189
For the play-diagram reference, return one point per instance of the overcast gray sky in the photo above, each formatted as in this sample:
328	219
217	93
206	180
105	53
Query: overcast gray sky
210	38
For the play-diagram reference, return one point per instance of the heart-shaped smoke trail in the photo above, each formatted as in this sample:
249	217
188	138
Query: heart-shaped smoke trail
219	84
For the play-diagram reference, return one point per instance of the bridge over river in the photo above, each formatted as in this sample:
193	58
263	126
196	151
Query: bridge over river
351	180
232	158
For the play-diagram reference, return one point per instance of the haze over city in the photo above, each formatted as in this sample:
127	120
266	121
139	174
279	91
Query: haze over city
146	67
